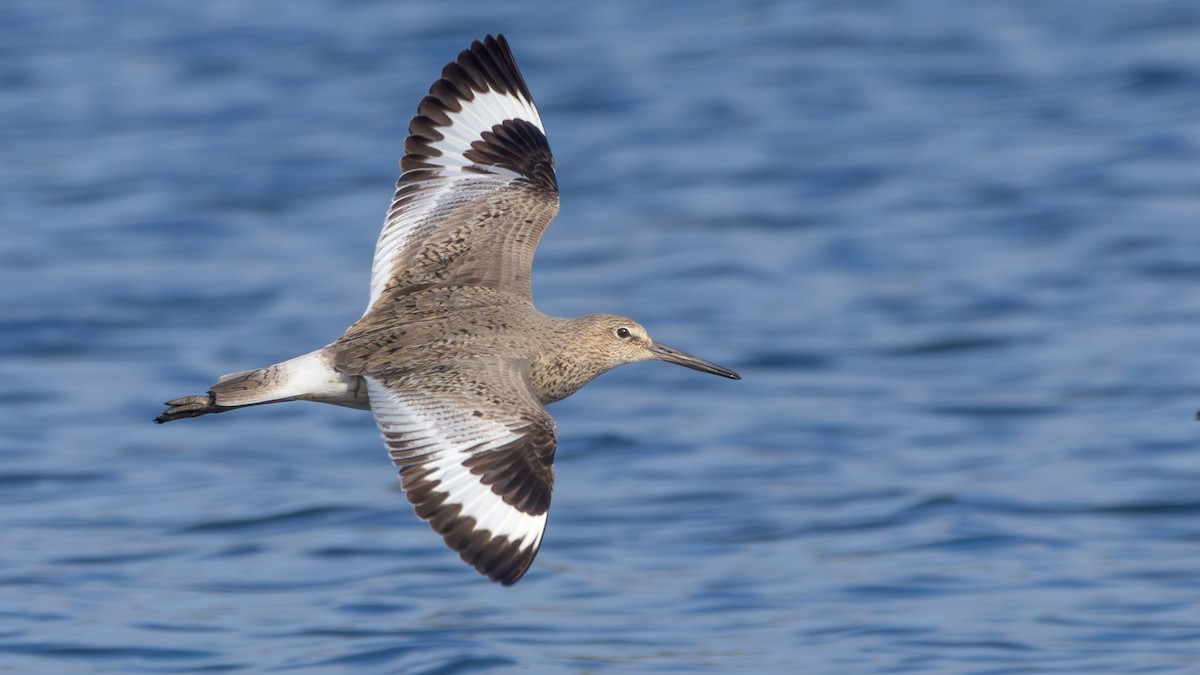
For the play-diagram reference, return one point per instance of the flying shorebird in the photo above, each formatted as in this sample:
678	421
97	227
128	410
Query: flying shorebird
451	356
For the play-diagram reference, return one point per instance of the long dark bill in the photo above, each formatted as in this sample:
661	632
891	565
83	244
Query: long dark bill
665	353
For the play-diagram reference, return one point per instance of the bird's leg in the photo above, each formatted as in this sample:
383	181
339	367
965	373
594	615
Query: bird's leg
191	406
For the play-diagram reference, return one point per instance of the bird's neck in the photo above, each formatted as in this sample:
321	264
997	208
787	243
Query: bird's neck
562	367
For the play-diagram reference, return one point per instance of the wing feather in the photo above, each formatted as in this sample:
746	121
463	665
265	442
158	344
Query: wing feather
475	452
478	188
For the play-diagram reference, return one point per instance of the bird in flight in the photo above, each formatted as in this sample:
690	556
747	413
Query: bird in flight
451	356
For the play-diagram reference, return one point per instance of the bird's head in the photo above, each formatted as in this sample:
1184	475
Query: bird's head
624	340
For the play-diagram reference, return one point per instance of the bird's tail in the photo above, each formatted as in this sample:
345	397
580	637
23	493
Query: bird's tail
305	378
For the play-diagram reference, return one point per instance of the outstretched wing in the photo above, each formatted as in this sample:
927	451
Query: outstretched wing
478	188
476	452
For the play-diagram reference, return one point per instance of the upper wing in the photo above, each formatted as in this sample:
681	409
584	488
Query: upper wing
478	188
476	453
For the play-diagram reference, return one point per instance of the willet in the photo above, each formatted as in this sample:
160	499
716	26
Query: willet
451	356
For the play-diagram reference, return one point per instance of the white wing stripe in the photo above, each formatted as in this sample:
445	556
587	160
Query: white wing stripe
482	113
422	208
444	456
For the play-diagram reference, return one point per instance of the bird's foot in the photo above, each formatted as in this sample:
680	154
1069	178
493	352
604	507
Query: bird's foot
190	406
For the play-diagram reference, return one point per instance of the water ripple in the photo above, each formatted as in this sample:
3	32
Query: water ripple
299	519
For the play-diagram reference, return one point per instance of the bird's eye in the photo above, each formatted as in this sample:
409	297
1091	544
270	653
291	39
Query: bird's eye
623	333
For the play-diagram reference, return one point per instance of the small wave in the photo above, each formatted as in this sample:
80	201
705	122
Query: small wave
287	521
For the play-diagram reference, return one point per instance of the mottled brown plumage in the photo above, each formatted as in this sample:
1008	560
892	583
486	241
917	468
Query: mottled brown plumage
451	355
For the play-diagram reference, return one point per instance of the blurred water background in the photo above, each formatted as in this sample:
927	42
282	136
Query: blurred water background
953	248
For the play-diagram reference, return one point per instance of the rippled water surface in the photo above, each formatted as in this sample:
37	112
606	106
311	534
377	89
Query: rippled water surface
953	248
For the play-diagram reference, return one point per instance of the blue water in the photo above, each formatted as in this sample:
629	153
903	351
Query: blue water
953	249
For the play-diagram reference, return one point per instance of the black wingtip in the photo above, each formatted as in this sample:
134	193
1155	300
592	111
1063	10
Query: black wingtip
518	145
